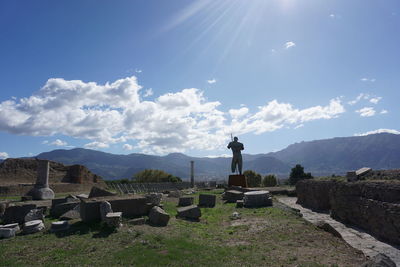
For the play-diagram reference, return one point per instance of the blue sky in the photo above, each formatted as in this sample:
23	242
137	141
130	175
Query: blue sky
156	77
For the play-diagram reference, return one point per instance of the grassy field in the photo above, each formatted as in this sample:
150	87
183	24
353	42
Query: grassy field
270	236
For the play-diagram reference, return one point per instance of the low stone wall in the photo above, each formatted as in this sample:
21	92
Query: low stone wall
314	194
22	189
373	206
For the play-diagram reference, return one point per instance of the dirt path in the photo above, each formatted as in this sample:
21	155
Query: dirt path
353	236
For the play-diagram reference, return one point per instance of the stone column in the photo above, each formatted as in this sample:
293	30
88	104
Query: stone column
42	179
41	189
192	173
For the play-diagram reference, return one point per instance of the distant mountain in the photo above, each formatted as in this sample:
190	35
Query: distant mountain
320	157
111	166
341	154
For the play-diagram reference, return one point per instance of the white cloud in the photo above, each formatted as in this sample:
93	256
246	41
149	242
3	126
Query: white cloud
212	81
332	16
379	131
148	92
384	111
138	70
273	51
59	142
368	79
238	113
359	98
173	122
45	142
375	100
299	126
366	112
127	147
3	155
94	145
218	156
289	45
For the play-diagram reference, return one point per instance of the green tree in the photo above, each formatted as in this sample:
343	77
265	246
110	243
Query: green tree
270	180
298	174
253	178
155	176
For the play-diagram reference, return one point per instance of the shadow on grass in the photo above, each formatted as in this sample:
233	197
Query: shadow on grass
80	228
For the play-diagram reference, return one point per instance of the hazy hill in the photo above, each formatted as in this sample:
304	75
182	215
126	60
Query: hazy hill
320	157
338	155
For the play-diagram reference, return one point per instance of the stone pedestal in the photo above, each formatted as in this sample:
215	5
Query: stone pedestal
41	190
237	180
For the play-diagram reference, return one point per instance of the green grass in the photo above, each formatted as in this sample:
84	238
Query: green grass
262	237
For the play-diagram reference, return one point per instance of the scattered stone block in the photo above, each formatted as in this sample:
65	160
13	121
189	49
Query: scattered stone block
380	260
3	207
231	196
256	199
158	216
239	204
82	196
11	225
176	194
113	219
137	221
7	232
363	171
105	208
99	192
90	211
189	212
26	198
130	206
33	227
16	214
328	228
206	200
351	176
71	214
34	214
59	226
60	209
185	201
154	198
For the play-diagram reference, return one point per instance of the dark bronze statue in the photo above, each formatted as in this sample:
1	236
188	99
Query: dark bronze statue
236	147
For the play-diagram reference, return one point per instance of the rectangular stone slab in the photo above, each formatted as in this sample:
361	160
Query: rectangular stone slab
129	206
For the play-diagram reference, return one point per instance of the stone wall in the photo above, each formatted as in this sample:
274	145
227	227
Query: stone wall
373	206
24	171
22	189
314	194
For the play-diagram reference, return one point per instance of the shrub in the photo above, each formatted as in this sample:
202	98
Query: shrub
253	178
155	176
298	174
270	180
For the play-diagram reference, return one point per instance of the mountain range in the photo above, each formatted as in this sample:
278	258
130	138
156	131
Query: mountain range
320	157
